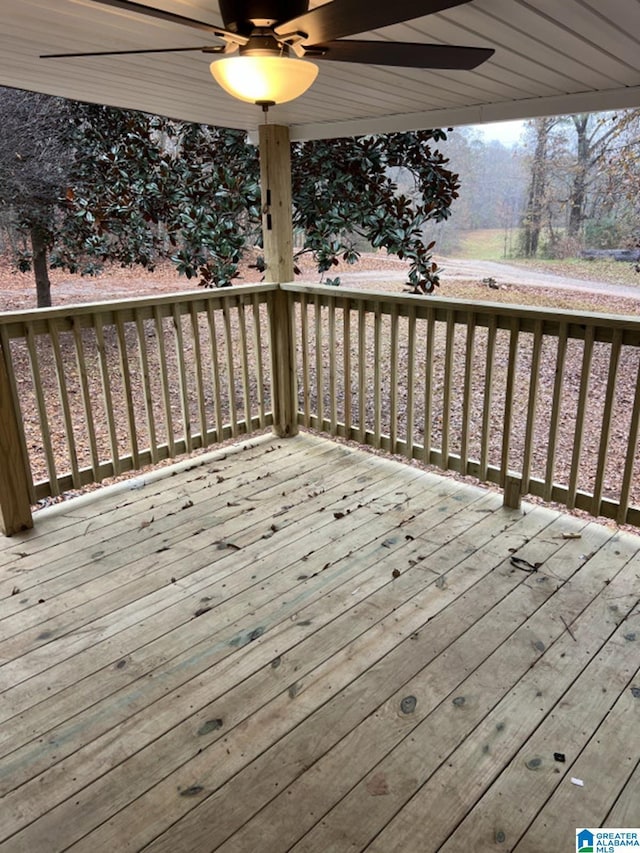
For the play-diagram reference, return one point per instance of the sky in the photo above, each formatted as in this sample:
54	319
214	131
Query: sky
507	132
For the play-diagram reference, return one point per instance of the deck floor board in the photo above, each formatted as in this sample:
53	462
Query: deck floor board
300	646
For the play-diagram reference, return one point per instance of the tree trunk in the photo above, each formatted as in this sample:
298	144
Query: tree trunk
579	184
40	266
532	222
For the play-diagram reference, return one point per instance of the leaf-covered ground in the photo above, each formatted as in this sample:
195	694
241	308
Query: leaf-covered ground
17	290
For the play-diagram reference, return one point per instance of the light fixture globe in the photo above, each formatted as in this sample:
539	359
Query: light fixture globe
261	74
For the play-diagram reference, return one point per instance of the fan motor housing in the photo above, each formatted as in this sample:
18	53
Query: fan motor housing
241	16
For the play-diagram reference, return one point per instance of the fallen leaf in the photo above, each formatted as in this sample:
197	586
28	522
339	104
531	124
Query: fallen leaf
377	785
193	791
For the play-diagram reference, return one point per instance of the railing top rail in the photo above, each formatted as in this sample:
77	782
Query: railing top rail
39	317
576	320
441	308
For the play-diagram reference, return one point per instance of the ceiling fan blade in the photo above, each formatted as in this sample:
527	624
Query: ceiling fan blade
402	54
341	18
206	49
171	17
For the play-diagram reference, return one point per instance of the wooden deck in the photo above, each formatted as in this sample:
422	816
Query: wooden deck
302	647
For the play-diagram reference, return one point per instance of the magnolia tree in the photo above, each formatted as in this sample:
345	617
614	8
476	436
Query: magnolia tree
132	189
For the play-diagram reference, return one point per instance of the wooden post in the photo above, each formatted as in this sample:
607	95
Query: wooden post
15	510
512	491
277	231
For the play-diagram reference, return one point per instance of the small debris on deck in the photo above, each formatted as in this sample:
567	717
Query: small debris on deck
408	704
192	791
210	726
377	785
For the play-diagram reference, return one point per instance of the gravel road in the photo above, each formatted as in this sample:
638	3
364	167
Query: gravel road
458	269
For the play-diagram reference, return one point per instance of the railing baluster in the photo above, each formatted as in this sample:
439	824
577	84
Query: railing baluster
258	362
555	412
346	364
64	400
411	381
466	396
485	441
532	406
216	379
166	395
446	394
393	378
231	370
106	392
146	386
614	360
319	362
333	403
182	376
128	392
362	372
42	410
377	391
197	355
244	364
304	342
86	399
583	396
428	386
508	398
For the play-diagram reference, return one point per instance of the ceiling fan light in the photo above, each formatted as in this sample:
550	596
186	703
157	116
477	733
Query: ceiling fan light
264	79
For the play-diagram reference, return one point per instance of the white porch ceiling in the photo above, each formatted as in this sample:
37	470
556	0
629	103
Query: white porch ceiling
552	56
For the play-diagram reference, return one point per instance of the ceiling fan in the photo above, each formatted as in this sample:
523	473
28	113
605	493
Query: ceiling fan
277	28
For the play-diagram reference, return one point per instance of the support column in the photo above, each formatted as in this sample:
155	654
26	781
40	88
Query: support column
277	233
15	509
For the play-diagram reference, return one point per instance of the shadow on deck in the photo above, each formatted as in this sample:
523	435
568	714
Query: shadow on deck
294	645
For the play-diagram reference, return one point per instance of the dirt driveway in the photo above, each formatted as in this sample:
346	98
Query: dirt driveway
457	269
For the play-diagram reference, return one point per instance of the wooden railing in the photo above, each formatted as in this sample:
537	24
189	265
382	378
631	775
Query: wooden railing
459	385
107	388
93	391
